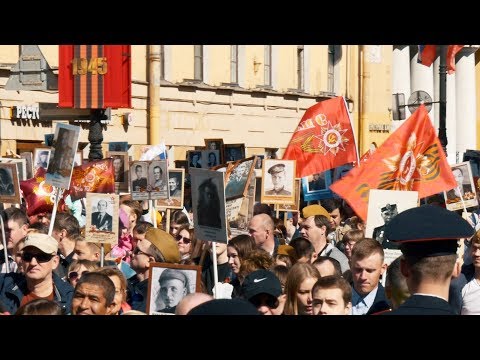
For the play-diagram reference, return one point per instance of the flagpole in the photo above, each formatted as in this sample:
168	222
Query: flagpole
442	130
351	125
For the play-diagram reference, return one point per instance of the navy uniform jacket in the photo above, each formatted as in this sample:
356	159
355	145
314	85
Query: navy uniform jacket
423	305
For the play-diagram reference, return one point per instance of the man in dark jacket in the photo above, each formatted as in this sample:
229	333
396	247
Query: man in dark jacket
39	259
428	237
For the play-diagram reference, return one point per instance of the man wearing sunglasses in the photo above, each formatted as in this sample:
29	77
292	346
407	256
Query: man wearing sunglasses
39	258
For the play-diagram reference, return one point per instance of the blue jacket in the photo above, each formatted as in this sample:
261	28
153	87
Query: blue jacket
13	286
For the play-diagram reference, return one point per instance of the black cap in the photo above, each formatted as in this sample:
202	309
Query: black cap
276	168
389	207
225	307
428	230
261	282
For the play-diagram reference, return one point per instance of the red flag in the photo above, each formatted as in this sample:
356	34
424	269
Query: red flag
411	158
38	195
323	139
427	54
451	52
95	176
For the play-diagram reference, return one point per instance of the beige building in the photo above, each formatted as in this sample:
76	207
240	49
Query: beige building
251	94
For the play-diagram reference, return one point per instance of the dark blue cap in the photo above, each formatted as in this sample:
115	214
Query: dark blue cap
225	307
428	230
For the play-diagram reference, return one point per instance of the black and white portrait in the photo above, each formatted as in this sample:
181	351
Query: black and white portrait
41	157
278	181
238	179
139	182
9	183
234	152
158	179
208	203
102	218
175	190
465	191
169	284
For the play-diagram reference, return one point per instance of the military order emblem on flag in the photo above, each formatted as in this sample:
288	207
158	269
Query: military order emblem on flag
411	159
95	176
323	139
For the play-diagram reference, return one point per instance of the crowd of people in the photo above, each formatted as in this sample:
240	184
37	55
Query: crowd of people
314	262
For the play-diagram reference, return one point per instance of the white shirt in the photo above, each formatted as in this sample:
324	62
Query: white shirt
471	298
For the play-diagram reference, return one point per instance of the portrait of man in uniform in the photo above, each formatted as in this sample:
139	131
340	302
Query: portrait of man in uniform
388	212
101	219
279	176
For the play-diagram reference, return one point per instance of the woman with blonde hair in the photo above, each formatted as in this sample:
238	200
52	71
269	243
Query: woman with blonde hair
298	288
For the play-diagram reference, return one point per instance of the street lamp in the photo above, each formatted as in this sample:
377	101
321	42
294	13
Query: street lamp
442	130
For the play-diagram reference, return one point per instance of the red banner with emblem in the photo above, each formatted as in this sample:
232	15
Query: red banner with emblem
411	158
95	176
39	196
94	76
323	139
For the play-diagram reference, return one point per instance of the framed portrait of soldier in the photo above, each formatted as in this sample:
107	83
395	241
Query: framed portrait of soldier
233	152
317	186
168	284
60	165
215	144
278	181
296	206
138	180
465	189
9	183
383	206
102	215
208	204
158	179
41	157
237	178
21	166
28	156
176	178
120	169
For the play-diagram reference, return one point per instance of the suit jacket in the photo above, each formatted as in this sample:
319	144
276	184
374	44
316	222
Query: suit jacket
105	224
423	305
140	183
380	303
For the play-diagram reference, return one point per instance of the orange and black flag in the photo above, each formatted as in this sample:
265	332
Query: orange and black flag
411	158
88	79
323	139
95	176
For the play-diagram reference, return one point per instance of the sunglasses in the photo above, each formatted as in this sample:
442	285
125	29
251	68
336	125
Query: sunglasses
75	275
269	301
41	257
137	251
185	240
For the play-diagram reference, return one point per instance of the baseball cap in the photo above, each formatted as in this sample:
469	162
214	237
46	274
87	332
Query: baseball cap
428	230
45	243
261	282
164	242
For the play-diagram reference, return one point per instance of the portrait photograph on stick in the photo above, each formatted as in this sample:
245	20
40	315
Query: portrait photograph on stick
215	144
317	186
234	152
465	192
138	180
176	178
60	166
102	217
40	158
158	179
168	284
211	158
208	204
9	183
120	169
237	178
21	166
383	206
278	179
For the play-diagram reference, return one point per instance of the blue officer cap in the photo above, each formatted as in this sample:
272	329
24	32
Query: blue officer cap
428	230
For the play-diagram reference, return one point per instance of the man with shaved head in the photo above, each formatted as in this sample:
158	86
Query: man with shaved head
261	229
190	301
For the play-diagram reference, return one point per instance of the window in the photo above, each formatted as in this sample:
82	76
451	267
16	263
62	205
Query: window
234	64
331	68
300	68
268	65
198	62
162	62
